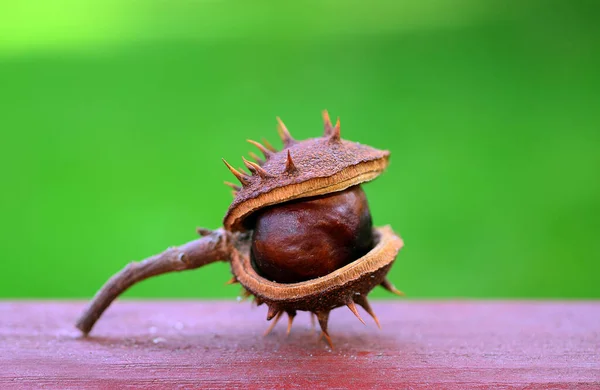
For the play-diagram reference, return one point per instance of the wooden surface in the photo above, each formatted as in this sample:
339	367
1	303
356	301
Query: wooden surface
220	345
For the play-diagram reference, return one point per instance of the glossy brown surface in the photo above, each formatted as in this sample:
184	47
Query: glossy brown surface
422	345
306	239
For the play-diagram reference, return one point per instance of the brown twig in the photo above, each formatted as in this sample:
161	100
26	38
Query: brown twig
212	247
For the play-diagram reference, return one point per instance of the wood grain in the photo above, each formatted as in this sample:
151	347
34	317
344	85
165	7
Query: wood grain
452	345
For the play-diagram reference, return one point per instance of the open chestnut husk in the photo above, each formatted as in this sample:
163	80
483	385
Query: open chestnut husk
298	233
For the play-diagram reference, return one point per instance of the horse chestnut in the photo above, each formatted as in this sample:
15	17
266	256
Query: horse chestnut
273	230
312	237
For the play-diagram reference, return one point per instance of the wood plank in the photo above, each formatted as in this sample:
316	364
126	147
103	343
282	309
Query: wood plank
220	345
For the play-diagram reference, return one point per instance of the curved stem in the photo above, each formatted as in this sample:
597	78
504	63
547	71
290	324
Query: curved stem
208	249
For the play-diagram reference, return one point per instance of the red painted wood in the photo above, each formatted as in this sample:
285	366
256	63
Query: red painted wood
220	345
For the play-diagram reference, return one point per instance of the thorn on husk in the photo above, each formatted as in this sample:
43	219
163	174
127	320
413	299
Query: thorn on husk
255	157
284	133
203	232
242	177
391	288
336	132
327	124
323	317
354	311
269	146
270	328
272	312
289	164
235	187
265	151
245	294
255	168
291	314
364	303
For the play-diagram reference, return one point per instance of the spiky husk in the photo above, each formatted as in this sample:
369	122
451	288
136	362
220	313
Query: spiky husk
344	287
302	169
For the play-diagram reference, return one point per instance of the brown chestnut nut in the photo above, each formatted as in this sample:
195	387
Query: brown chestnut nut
309	238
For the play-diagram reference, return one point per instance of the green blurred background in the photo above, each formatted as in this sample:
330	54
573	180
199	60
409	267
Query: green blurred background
115	116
